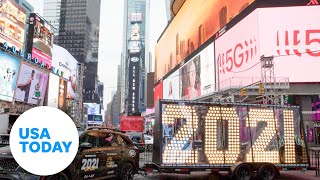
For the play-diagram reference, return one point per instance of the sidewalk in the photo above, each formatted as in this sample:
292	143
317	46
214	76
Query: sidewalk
303	175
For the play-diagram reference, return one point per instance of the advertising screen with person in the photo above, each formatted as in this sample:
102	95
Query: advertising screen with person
9	68
62	100
190	79
31	86
171	87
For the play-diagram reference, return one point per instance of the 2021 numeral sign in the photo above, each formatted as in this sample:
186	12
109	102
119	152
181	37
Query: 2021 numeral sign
222	143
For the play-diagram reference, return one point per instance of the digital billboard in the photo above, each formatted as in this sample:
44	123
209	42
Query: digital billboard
158	93
135	17
195	23
12	24
171	86
293	40
31	86
40	39
237	54
207	74
62	99
9	70
190	79
53	91
220	135
92	108
63	61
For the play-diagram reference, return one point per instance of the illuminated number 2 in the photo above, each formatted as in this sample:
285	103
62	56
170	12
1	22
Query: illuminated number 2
263	136
174	151
224	115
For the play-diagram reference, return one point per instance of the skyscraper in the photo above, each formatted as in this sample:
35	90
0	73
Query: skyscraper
52	14
133	60
78	32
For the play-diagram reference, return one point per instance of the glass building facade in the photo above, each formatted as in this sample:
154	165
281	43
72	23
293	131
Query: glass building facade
77	23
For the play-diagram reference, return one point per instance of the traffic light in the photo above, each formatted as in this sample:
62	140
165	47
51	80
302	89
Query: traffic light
261	89
243	92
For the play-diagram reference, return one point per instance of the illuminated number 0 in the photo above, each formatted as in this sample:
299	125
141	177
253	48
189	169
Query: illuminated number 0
230	154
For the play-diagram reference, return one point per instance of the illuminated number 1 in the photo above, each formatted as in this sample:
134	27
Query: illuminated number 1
263	136
230	154
289	143
174	151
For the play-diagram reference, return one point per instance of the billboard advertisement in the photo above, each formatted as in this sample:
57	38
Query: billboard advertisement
171	86
12	24
190	79
132	123
92	108
63	61
40	39
136	17
292	40
31	86
158	93
9	70
62	101
207	74
217	135
195	23
237	55
53	91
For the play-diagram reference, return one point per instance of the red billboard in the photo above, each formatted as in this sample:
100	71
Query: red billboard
136	17
195	23
132	123
158	93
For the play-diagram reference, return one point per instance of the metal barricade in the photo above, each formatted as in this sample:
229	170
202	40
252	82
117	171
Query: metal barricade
146	156
315	159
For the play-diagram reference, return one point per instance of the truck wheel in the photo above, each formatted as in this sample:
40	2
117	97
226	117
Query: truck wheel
126	172
243	172
267	172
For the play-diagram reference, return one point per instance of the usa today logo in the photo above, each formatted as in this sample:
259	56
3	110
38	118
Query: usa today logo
44	141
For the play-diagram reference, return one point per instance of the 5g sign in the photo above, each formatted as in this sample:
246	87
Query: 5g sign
220	130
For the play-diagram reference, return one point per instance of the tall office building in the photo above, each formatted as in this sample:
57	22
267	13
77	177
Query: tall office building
51	13
78	32
133	60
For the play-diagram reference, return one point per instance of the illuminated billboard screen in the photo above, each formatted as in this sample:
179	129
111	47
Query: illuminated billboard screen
136	17
134	47
9	70
293	40
220	135
190	79
53	91
171	86
31	86
40	39
207	73
63	61
12	24
92	108
195	23
62	99
237	57
158	93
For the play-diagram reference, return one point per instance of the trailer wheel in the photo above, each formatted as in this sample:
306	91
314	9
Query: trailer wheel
267	172
243	172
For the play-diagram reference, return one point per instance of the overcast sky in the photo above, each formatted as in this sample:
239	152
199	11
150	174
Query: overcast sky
111	32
